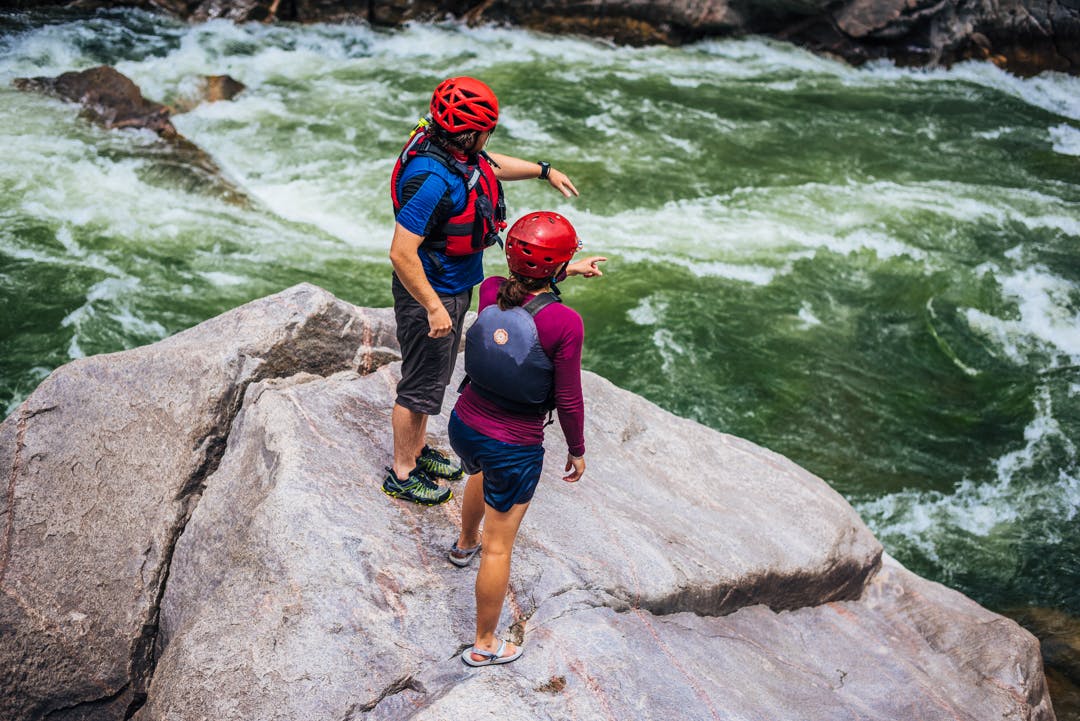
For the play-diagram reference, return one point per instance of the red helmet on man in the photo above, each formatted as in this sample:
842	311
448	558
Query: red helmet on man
539	243
464	103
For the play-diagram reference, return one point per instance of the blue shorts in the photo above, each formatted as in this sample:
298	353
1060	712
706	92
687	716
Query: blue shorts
511	472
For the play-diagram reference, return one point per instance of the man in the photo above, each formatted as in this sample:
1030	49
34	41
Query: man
448	207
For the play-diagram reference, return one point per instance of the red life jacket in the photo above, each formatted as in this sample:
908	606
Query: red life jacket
478	225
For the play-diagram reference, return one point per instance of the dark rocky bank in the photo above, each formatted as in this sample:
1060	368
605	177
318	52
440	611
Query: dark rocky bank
1024	36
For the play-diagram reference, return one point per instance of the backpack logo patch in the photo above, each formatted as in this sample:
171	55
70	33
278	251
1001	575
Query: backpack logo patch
500	336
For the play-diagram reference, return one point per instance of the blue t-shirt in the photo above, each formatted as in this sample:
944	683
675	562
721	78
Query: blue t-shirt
442	193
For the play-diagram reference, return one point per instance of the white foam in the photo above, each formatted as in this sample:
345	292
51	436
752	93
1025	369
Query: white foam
1044	426
753	56
523	128
1045	322
252	53
649	311
994	134
883	246
1066	139
109	289
1054	92
457	45
1068	224
806	315
1069	485
330	209
134	325
602	124
253	108
110	303
777	224
752	274
223	279
47	51
669	348
922	518
683	144
74	350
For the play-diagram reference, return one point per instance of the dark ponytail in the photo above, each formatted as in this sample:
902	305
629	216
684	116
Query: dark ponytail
516	287
461	142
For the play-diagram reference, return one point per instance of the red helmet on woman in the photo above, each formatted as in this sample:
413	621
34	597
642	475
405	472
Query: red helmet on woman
464	103
539	243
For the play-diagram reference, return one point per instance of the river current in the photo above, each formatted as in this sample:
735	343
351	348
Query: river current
874	271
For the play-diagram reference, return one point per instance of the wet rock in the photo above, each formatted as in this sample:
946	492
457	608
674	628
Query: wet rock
114	101
168	556
107	97
206	89
1024	36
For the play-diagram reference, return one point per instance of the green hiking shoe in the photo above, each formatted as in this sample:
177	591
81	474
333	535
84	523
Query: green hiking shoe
437	465
417	488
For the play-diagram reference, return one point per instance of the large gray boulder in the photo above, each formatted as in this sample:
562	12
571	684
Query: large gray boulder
107	459
689	575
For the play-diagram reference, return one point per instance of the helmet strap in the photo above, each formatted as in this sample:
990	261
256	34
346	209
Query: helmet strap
560	271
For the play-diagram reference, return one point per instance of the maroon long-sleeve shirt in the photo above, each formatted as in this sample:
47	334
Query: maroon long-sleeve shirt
561	335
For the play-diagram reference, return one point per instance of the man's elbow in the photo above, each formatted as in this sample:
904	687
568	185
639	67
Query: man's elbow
399	256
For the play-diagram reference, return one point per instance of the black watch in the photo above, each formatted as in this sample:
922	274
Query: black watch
545	168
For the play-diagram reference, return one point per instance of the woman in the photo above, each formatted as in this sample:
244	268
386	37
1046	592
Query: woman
523	359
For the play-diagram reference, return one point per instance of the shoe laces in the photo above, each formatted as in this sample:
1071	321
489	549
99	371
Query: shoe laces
420	479
431	455
426	489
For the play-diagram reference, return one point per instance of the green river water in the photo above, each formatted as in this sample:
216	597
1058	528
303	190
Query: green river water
873	271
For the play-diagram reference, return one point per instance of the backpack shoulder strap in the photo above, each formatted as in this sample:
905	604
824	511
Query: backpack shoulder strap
541	301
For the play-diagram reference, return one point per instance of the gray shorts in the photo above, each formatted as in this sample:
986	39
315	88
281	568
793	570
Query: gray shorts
426	363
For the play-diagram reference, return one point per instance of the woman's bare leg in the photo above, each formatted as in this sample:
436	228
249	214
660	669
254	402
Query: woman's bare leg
472	511
500	530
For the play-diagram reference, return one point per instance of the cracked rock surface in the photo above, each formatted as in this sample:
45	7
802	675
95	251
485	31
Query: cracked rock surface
689	575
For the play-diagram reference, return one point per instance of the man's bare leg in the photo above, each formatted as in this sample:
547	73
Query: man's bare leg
410	429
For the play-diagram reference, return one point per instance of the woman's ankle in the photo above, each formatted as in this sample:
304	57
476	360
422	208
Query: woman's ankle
491	643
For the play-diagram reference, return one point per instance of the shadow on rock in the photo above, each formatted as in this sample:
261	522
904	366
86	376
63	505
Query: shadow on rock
113	100
1059	634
